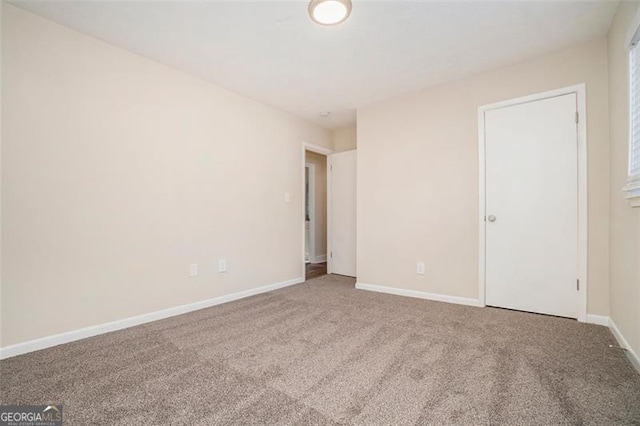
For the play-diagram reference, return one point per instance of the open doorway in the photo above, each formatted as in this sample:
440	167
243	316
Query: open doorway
315	214
315	211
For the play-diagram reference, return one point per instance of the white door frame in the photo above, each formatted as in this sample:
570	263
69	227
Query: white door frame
326	152
581	273
312	211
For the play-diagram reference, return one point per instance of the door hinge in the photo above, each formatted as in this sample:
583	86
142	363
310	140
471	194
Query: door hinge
578	284
331	255
577	117
331	167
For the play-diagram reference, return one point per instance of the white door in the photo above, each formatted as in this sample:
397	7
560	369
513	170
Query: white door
531	212
343	213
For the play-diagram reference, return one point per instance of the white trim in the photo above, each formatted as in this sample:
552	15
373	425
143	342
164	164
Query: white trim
598	320
580	91
316	148
482	208
633	28
319	259
329	212
326	152
583	208
632	191
418	294
71	336
312	210
632	187
633	357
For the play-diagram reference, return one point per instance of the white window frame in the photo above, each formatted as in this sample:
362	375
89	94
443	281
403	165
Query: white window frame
632	188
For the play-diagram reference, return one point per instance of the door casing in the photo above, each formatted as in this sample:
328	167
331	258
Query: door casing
580	91
326	152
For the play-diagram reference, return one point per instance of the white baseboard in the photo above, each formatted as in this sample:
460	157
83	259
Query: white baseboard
319	259
70	336
419	294
633	357
597	319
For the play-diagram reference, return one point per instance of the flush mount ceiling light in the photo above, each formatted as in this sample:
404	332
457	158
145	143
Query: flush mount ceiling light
329	12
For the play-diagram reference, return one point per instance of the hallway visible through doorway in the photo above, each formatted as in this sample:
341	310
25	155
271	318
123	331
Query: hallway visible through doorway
315	212
315	270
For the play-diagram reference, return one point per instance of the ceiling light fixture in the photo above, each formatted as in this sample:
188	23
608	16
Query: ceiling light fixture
329	12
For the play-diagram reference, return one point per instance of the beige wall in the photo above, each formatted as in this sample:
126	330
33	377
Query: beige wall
418	175
320	163
345	139
119	172
625	221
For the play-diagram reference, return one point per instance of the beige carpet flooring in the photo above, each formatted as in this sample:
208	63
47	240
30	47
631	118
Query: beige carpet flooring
324	353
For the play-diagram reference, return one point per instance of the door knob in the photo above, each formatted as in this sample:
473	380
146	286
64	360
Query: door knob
491	218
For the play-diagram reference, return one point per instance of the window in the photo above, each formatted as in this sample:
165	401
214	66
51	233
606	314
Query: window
633	185
634	110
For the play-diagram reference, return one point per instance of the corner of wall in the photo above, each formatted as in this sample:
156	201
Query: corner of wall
624	222
345	138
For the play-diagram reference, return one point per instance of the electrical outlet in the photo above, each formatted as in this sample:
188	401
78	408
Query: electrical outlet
287	197
222	265
420	268
193	270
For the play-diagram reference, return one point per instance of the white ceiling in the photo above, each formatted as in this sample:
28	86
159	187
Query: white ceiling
272	51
